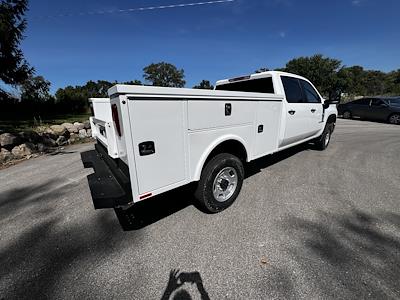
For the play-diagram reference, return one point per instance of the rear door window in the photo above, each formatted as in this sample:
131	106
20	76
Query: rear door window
293	91
363	102
311	95
261	85
376	102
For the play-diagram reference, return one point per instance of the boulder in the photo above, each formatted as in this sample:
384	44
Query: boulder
49	142
8	140
41	147
70	127
79	126
82	134
73	138
89	132
61	141
5	155
86	124
23	150
58	129
30	136
67	125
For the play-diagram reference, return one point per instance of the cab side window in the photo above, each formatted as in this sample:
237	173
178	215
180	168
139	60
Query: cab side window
293	90
310	93
362	102
376	102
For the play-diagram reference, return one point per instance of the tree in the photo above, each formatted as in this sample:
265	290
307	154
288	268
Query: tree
35	89
321	71
133	82
375	83
14	69
393	82
204	85
164	74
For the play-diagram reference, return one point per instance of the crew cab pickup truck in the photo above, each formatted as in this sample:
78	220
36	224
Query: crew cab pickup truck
153	139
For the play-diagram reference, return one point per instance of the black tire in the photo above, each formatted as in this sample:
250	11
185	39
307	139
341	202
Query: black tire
204	192
323	141
347	115
394	119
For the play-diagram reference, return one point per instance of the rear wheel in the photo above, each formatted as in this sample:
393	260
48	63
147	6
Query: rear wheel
220	182
394	119
323	141
347	115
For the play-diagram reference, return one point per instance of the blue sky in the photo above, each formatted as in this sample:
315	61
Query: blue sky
209	41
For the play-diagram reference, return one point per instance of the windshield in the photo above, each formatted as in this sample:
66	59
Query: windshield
394	101
262	85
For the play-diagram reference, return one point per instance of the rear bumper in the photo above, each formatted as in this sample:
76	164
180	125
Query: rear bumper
109	184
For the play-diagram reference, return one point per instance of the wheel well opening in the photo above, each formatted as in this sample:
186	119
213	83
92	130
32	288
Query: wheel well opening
331	119
233	147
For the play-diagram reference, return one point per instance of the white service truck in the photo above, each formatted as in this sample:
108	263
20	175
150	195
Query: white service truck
153	139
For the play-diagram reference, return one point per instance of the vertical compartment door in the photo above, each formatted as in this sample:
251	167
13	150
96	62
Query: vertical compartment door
159	142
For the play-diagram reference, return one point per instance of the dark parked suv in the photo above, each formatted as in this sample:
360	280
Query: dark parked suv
376	109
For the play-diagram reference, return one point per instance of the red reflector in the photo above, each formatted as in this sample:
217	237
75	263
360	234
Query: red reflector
114	110
145	196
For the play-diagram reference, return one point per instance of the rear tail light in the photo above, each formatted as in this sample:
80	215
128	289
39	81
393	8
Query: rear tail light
114	110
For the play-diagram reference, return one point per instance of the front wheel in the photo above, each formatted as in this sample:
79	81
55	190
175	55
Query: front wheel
394	119
323	141
347	115
220	182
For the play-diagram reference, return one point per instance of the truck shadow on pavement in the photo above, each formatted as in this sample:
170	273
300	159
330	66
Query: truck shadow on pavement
258	165
349	256
40	243
155	209
159	207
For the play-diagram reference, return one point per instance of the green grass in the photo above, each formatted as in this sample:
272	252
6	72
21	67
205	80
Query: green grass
13	125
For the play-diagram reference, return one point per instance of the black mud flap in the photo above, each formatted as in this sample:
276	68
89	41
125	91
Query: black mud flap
109	185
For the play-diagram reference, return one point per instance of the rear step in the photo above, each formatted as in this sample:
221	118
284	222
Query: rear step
106	191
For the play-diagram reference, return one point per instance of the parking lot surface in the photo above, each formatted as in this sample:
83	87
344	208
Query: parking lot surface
306	225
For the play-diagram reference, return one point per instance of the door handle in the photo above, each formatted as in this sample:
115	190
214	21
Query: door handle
292	112
313	110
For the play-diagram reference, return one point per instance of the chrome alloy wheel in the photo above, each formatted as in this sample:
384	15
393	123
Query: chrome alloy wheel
327	138
225	184
347	115
395	119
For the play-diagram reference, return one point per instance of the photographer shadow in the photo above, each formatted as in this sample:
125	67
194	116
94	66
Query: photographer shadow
176	281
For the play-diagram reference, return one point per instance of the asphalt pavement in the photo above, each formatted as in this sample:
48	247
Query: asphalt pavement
307	225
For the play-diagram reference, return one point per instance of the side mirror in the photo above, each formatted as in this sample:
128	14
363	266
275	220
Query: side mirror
334	98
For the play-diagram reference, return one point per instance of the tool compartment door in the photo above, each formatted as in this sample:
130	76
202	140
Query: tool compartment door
158	129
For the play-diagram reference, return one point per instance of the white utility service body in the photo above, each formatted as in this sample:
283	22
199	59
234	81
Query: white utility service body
166	136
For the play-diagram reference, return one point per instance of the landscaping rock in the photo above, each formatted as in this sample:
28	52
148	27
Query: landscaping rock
73	138
30	136
41	147
5	155
86	124
70	127
23	150
89	132
49	142
79	126
61	141
58	129
82	134
8	140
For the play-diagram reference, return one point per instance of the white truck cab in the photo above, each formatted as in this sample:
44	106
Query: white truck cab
154	139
